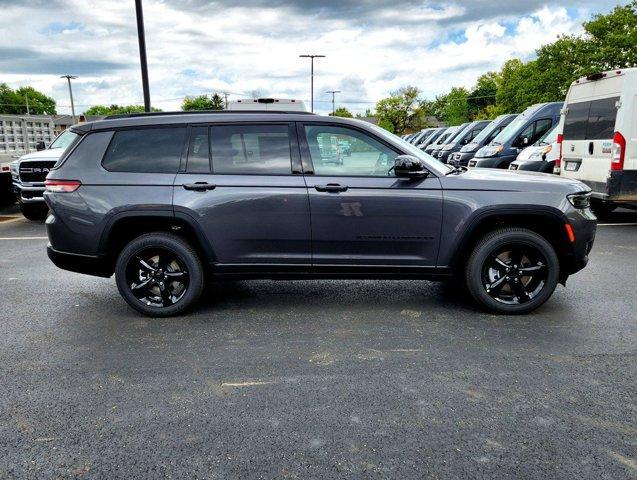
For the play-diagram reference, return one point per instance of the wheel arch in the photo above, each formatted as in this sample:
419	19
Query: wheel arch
125	226
546	221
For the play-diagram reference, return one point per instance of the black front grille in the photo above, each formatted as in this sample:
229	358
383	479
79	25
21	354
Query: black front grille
35	171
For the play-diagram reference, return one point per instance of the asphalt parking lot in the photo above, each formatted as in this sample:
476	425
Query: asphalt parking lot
317	379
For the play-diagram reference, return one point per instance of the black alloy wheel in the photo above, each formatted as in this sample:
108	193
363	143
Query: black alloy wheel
157	277
159	274
514	274
512	271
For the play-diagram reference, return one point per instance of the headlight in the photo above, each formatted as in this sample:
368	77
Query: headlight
580	200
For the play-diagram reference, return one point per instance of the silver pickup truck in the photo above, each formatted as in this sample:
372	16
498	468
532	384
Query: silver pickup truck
29	172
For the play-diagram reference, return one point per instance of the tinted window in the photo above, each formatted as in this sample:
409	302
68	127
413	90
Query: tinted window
251	149
541	127
576	121
601	119
365	157
147	150
198	154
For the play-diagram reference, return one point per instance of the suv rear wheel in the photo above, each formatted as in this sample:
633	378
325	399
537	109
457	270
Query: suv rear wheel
512	270
159	274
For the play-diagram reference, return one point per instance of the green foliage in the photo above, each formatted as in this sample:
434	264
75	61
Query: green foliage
203	102
483	94
342	112
15	101
402	110
116	109
613	38
456	106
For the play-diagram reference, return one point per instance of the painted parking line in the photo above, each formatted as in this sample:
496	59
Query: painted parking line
616	224
24	238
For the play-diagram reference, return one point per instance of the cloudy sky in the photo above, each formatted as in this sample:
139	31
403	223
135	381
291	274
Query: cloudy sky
252	46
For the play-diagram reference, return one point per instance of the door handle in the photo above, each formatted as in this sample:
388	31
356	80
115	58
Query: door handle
331	187
199	186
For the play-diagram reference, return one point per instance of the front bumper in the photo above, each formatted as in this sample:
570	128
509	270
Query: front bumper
584	224
492	162
29	192
461	159
532	165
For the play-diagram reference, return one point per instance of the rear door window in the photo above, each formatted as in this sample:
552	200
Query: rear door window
251	149
198	153
145	150
593	120
601	119
541	127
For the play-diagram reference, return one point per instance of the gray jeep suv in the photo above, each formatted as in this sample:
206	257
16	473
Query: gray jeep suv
165	201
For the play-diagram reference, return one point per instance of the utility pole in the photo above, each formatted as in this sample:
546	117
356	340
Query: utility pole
333	92
142	53
312	57
68	79
225	94
26	97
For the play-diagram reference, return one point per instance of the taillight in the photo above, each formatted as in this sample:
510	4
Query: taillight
62	186
558	161
618	152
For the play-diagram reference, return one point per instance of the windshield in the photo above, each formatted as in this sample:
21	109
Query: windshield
511	129
488	130
549	137
432	163
64	139
462	130
443	138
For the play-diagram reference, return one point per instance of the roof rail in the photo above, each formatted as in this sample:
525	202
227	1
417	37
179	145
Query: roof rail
201	112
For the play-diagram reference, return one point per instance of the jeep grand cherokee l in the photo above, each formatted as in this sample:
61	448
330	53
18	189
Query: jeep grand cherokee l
166	201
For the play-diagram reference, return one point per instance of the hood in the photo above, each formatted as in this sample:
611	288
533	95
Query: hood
515	181
46	154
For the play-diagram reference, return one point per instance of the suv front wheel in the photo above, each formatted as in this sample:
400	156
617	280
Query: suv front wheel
512	270
159	274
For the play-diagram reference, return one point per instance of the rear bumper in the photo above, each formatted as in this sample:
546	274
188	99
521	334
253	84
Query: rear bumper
89	265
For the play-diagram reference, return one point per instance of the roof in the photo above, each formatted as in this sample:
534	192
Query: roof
220	116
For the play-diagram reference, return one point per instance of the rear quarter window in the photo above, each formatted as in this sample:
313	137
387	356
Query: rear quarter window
145	150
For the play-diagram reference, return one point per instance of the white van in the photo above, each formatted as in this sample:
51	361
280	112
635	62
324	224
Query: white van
599	138
268	104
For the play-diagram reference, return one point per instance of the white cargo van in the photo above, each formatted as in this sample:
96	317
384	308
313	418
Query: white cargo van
599	139
268	104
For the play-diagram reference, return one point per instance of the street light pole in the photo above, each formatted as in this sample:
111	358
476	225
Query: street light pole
68	79
142	53
312	57
333	92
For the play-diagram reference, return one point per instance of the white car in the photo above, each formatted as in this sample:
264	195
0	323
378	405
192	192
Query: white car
541	156
268	104
599	141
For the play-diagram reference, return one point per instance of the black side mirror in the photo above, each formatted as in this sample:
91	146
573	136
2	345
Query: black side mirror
40	146
410	167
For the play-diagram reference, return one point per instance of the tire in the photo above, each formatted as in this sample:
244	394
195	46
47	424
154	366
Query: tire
34	211
500	261
168	282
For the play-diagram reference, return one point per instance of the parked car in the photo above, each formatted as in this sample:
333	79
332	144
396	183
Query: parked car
166	201
433	148
599	143
458	130
435	134
541	156
525	130
464	136
467	152
29	172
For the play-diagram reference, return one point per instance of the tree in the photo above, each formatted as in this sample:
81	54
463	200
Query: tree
613	38
115	109
456	106
342	112
483	94
15	101
203	102
402	110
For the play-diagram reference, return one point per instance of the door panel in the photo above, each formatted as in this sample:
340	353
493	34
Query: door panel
247	218
364	215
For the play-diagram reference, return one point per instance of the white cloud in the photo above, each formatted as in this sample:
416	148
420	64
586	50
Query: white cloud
245	47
